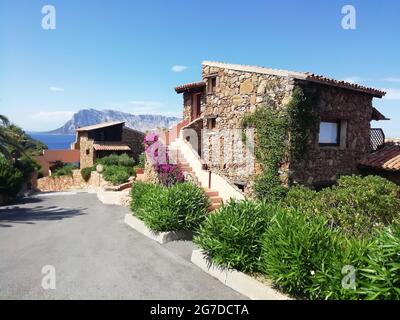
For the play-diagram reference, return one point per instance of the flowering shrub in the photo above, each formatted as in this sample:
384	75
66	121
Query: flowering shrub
169	174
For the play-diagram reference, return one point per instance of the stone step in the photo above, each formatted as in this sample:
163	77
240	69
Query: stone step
211	193
215	199
214	206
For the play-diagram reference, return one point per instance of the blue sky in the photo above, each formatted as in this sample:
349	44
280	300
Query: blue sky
121	54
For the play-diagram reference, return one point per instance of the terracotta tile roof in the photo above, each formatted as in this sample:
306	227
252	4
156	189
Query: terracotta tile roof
65	156
190	86
307	76
100	125
386	158
110	146
376	115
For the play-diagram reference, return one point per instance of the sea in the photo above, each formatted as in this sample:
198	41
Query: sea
54	141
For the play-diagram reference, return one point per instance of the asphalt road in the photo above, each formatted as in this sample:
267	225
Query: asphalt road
94	255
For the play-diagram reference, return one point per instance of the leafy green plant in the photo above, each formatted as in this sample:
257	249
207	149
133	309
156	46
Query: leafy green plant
282	136
180	207
117	174
64	170
87	172
356	205
380	277
295	249
231	236
116	160
11	178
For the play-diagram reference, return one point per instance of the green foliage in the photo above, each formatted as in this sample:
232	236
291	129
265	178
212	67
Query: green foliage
142	160
11	178
141	193
304	257
380	277
231	236
180	207
86	172
27	166
117	174
356	205
281	135
116	160
64	170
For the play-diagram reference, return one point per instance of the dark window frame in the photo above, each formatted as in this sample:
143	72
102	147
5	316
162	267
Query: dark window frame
338	137
211	84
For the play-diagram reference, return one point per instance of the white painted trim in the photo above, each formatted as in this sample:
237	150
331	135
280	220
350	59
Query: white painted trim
225	190
160	237
236	280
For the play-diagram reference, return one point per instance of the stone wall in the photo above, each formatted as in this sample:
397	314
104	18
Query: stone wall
87	156
134	139
237	94
325	164
75	181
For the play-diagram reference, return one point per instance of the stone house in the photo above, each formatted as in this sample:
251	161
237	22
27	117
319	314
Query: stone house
341	137
100	140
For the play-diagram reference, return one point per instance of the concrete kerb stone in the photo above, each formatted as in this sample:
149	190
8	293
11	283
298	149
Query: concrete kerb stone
236	280
160	237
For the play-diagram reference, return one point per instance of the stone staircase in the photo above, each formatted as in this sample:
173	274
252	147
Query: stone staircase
177	157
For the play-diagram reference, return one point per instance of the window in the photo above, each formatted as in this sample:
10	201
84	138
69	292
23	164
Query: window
87	152
212	84
329	133
211	122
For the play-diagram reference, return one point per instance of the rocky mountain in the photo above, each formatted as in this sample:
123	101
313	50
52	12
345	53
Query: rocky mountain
89	117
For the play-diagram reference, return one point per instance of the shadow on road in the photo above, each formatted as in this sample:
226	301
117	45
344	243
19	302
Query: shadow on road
16	214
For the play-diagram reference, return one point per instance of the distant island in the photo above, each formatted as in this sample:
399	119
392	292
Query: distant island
87	117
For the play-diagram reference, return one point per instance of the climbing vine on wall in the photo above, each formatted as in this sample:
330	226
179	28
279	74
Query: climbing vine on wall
282	136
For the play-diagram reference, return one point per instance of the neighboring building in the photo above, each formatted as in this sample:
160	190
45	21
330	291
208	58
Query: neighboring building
50	158
100	140
341	137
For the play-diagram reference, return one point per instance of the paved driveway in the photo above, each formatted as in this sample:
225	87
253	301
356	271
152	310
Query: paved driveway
95	255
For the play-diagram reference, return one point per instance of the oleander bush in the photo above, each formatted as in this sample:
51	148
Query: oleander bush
179	207
117	174
356	205
379	278
232	235
304	257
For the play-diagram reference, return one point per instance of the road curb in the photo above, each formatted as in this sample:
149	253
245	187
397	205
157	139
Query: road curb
236	280
160	237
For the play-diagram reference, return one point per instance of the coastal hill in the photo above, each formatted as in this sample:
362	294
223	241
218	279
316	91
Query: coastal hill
87	117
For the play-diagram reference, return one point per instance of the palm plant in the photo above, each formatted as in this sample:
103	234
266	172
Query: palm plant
8	140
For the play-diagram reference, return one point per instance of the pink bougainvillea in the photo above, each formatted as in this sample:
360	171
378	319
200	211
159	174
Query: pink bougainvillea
156	151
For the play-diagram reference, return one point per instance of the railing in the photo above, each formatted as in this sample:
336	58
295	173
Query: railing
377	139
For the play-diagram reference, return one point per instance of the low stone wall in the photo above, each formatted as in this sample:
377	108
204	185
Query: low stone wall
75	181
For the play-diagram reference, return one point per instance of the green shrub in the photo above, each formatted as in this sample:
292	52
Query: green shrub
86	172
65	170
295	248
231	236
141	193
189	203
116	160
27	166
117	174
11	178
380	277
142	160
180	207
356	205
